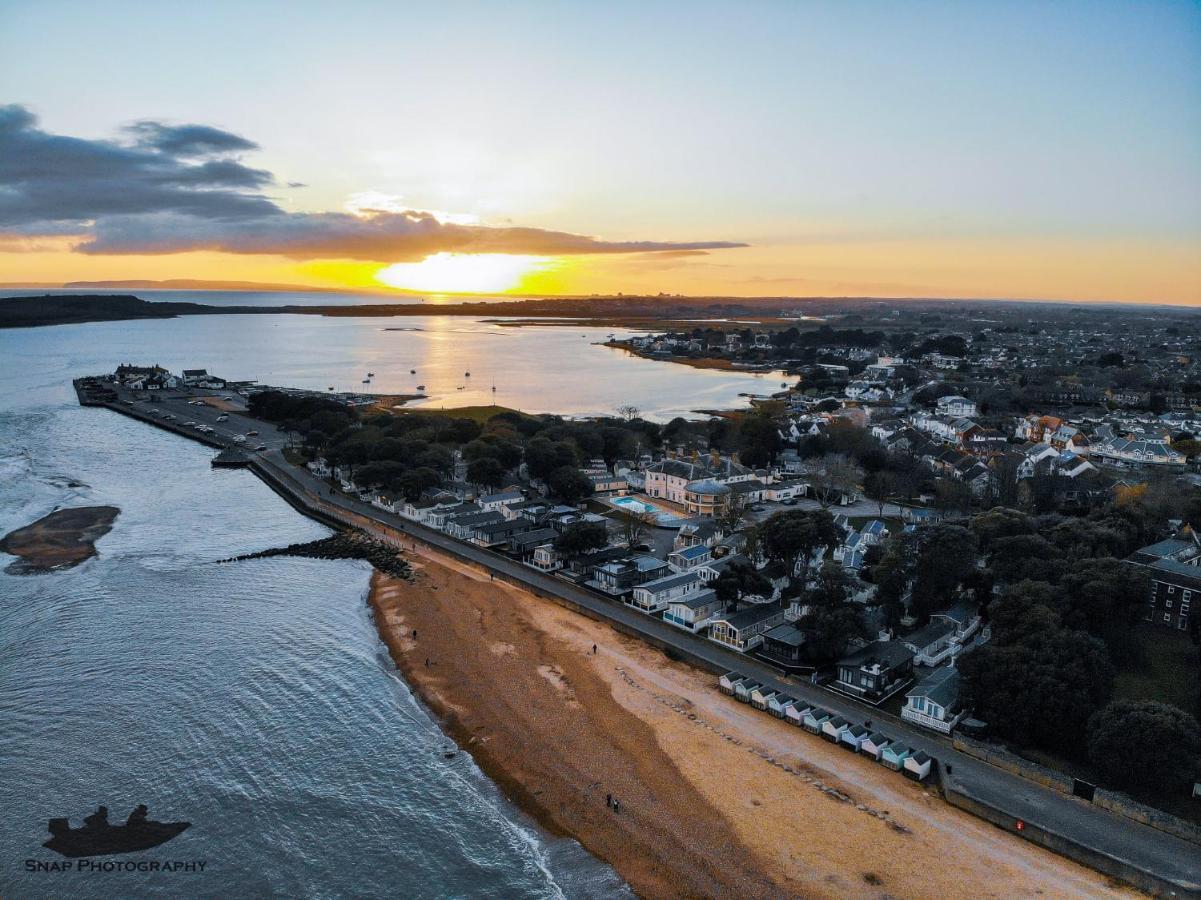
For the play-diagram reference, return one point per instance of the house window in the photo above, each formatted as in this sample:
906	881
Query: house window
1182	624
1167	617
1171	588
1167	603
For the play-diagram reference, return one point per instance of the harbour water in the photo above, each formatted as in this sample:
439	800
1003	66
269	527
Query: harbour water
252	699
557	369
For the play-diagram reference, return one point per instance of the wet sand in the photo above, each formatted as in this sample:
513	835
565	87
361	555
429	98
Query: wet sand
717	799
64	538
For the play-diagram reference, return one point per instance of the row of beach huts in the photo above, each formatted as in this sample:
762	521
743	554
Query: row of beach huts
892	754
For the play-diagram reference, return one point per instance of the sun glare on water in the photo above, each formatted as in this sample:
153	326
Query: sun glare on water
465	273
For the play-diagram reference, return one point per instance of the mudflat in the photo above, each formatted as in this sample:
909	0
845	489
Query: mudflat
64	538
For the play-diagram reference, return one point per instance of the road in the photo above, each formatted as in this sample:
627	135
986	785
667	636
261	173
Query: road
1153	851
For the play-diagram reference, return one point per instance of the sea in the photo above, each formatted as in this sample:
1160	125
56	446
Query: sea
254	699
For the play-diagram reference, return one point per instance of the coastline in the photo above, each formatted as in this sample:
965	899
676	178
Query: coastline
717	800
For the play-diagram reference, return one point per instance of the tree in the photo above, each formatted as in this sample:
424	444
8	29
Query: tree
1040	691
879	486
829	630
628	411
792	538
634	525
543	456
739	580
486	472
1165	741
729	515
837	474
832	587
761	441
569	484
580	537
946	558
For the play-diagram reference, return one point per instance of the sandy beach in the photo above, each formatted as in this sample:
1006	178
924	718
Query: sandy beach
717	799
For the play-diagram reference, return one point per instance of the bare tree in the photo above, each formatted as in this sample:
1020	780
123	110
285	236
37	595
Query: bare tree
731	514
628	411
837	474
634	525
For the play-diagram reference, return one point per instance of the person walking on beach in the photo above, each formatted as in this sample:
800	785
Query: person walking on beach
609	801
594	649
414	634
616	806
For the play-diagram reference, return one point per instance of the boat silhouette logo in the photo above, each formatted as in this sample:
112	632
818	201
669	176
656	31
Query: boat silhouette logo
97	837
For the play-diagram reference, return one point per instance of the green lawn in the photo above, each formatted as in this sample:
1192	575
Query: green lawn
479	414
1171	673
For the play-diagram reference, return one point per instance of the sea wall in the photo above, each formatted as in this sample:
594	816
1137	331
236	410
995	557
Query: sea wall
1106	799
962	797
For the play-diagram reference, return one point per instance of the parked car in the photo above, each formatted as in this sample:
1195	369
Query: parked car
251	433
222	418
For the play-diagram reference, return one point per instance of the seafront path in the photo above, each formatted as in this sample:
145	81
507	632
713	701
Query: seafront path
1172	864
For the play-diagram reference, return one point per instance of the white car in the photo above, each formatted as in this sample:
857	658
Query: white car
239	439
222	418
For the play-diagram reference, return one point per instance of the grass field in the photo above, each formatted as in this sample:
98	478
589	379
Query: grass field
1170	673
479	414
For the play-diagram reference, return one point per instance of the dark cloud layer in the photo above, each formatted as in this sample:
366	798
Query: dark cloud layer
175	188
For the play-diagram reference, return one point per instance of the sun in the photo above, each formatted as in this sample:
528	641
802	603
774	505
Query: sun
462	273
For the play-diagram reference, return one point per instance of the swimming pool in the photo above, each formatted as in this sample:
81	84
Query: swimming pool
663	517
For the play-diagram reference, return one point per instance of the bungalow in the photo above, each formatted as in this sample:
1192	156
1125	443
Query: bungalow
956	406
779	705
934	703
608	484
195	376
815	718
832	729
852	739
546	558
496	533
744	630
620	576
932	643
761	695
873	745
917	766
894	755
493	502
319	467
963	616
463	525
726	683
876	671
384	500
784	646
687	559
655	596
694	611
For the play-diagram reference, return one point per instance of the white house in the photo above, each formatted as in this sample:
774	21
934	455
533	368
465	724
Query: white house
744	629
934	703
956	406
694	611
655	596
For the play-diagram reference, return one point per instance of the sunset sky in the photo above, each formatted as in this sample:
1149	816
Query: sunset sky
959	149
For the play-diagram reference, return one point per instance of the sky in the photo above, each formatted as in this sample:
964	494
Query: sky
958	149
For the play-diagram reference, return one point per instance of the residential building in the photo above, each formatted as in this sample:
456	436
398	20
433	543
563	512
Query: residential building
744	630
934	703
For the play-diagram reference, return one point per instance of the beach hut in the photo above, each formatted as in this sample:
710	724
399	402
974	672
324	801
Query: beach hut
894	756
815	718
853	738
917	766
795	714
726	683
873	745
779	704
742	690
760	696
832	729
